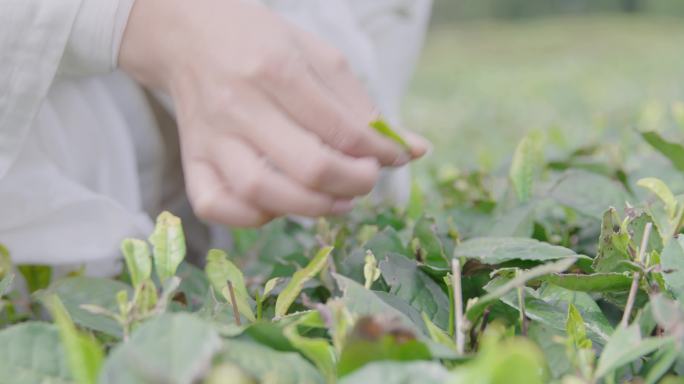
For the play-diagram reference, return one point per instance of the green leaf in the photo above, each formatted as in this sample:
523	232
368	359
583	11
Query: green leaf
526	162
392	372
431	247
625	346
588	193
409	283
437	334
37	277
476	307
365	346
168	244
318	350
416	203
84	353
512	361
556	353
32	353
548	305
270	285
496	250
294	287
672	262
228	373
5	261
172	348
268	365
77	291
613	245
384	242
596	282
660	189
673	151
364	302
6	283
219	271
138	261
371	272
576	330
660	363
384	129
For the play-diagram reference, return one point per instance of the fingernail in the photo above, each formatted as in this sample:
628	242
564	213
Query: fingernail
419	145
342	206
402	159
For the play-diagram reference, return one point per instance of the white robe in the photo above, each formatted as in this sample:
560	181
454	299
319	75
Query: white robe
82	161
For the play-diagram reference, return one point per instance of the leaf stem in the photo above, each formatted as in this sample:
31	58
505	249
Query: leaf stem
233	302
637	276
521	308
458	305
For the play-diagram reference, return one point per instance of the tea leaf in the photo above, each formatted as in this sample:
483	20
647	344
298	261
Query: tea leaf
294	287
577	332
496	250
596	282
168	244
220	270
526	162
84	353
76	291
625	346
172	348
31	353
384	129
673	151
660	189
37	277
138	261
672	262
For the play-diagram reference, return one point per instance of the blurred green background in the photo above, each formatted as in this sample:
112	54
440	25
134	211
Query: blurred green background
579	70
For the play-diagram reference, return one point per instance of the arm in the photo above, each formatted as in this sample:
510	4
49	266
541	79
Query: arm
271	120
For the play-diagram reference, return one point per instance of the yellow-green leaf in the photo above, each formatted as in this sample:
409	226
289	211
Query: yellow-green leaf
660	189
138	261
219	271
84	353
168	243
384	129
294	287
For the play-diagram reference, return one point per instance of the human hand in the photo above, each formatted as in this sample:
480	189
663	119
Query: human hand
271	120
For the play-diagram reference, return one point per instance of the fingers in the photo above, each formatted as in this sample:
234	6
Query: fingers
301	155
316	109
212	201
334	72
253	180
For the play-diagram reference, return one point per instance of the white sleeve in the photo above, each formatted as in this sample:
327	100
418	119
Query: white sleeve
38	40
396	28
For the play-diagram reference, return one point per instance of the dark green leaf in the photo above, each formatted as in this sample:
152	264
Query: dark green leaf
673	151
496	250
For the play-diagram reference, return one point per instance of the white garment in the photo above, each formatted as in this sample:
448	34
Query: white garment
81	157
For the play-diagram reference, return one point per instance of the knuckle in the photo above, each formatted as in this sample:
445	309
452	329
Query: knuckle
350	141
203	207
251	185
337	61
276	67
314	174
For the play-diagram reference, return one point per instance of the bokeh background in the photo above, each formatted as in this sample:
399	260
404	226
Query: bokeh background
578	70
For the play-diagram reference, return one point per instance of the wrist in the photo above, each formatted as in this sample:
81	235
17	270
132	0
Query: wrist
146	49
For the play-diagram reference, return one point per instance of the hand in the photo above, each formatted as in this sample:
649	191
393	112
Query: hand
271	120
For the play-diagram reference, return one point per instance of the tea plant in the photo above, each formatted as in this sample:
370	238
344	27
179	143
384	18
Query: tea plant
566	270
